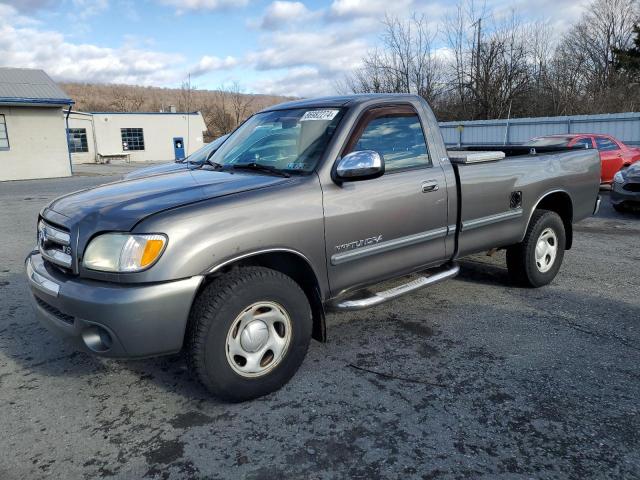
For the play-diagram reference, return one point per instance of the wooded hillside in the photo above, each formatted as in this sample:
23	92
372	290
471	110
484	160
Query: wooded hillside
222	109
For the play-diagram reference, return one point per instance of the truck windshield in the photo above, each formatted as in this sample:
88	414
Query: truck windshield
287	140
199	156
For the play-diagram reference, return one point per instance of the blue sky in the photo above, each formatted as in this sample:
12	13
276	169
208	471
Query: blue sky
281	47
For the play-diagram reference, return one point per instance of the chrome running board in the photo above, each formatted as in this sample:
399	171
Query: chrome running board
395	292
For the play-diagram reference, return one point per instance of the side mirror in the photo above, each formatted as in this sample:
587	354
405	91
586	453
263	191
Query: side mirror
362	165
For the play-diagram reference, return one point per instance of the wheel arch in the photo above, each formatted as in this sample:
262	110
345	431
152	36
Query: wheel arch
293	264
560	202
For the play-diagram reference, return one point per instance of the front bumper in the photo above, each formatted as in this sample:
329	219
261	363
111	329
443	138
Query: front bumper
619	195
114	320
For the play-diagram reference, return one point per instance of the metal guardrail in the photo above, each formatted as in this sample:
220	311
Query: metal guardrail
624	126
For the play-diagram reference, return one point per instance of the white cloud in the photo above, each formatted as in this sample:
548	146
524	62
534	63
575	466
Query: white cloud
301	51
88	8
184	5
30	47
297	82
9	13
84	8
208	64
303	55
350	9
135	61
29	5
327	50
280	14
306	63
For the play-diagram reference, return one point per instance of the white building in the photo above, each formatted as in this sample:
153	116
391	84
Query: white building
32	126
40	137
136	137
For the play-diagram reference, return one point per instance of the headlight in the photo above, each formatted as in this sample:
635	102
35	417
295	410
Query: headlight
121	252
618	178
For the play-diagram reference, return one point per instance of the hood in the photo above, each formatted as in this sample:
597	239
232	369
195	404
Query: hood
633	171
120	205
156	170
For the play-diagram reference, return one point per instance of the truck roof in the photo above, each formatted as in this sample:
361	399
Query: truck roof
339	101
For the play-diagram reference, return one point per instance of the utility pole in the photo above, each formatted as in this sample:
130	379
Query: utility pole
475	85
478	55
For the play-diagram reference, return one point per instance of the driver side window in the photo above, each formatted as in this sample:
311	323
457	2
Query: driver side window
606	144
397	136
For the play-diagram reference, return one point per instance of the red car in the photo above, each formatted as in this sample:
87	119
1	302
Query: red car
613	153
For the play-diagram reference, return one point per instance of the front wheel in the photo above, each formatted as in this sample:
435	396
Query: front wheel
536	260
249	331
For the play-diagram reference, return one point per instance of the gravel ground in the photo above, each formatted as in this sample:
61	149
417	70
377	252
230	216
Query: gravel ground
471	378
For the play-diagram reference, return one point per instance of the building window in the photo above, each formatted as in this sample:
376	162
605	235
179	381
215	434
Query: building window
4	139
78	140
132	139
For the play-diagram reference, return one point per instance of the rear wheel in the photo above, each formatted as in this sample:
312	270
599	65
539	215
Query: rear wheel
536	260
248	333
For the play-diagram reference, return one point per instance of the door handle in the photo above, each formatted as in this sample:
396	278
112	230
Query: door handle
429	186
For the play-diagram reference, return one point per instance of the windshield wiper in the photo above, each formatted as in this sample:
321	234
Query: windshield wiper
260	167
216	165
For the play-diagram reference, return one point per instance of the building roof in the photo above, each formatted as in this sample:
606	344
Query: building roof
26	86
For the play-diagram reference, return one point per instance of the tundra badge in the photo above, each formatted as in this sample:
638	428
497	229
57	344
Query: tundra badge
359	243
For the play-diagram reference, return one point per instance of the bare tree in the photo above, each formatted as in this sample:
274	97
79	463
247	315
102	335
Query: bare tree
216	106
220	117
460	33
125	100
406	62
584	78
185	102
603	28
508	67
240	102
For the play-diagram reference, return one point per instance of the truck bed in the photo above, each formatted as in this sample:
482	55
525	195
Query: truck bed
498	187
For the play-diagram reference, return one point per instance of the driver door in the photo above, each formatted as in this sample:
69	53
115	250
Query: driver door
397	223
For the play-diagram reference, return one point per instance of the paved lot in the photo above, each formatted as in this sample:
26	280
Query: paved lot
472	378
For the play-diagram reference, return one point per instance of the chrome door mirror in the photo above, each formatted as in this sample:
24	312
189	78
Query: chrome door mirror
361	165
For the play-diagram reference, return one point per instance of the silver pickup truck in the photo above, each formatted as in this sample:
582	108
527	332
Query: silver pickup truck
307	206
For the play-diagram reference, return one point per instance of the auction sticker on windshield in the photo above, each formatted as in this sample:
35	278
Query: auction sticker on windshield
319	115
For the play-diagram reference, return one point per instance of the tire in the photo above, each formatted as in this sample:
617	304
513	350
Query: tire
223	322
525	269
619	207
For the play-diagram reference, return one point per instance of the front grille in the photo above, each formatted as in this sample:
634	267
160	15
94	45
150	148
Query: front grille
54	244
68	319
632	187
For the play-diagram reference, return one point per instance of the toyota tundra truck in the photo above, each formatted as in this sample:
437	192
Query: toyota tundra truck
309	206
